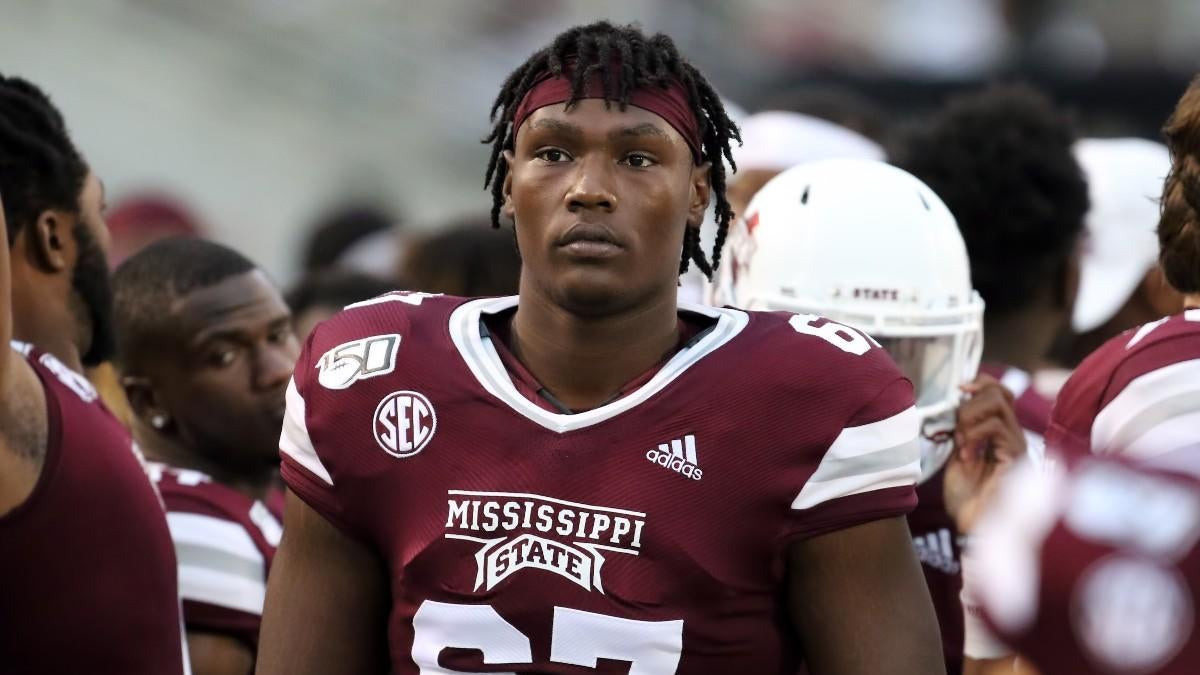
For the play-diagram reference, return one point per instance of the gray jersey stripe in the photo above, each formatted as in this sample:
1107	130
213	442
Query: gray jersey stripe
1151	416
872	462
217	560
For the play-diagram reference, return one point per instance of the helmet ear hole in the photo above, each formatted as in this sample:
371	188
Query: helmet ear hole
804	196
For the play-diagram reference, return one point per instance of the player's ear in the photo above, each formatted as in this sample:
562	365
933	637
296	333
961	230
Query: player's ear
52	243
507	207
701	190
143	401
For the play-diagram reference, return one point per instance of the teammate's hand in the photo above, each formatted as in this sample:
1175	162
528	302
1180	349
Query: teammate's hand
987	440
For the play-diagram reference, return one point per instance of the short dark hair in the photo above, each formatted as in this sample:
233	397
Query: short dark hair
1001	160
146	285
339	229
335	288
626	59
40	168
1179	226
465	259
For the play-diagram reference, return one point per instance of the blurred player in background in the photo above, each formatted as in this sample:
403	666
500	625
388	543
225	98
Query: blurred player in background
467	259
866	244
1140	392
589	473
1090	564
1001	159
205	351
320	295
87	570
1121	285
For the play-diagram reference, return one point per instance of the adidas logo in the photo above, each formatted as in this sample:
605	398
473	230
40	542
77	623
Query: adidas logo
934	549
678	456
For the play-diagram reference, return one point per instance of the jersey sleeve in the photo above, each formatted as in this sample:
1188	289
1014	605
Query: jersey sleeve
222	573
302	467
1139	393
871	468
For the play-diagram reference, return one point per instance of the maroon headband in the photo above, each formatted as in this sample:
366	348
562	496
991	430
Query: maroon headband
669	103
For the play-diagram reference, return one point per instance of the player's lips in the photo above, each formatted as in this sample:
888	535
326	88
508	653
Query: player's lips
590	240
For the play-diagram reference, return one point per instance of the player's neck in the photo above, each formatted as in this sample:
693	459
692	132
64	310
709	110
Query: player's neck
585	361
1192	301
47	335
159	448
41	319
1020	339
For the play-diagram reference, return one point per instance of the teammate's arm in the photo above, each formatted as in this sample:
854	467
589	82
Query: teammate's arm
214	654
859	603
326	608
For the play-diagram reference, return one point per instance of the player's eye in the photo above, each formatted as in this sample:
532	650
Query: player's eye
639	160
279	335
552	155
222	357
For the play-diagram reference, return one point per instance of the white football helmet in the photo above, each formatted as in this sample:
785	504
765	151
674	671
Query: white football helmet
868	245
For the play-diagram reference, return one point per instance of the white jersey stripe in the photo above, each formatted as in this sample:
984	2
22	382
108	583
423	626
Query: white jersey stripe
294	440
1140	396
689	448
892	432
815	493
1165	436
230	538
677	448
201	584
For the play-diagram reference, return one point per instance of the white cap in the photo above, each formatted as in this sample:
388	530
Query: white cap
780	140
1125	178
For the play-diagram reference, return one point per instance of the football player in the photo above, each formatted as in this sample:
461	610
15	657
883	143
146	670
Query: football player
868	245
1096	568
87	571
1140	392
1002	161
587	476
205	349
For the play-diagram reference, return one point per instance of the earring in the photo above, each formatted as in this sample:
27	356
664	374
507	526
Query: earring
158	421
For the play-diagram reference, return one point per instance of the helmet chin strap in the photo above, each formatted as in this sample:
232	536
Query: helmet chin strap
936	439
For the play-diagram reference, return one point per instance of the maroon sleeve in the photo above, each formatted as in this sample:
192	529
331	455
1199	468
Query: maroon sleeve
1079	402
868	472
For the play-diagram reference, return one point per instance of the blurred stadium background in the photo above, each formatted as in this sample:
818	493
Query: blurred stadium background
261	114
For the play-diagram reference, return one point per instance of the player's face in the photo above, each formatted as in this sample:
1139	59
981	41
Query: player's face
600	198
224	383
92	292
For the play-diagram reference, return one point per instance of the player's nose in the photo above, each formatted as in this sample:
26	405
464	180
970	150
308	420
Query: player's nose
593	185
274	368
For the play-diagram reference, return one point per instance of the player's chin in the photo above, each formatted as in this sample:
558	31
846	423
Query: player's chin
594	292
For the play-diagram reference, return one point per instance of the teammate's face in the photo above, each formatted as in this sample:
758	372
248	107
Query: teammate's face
224	376
600	198
90	279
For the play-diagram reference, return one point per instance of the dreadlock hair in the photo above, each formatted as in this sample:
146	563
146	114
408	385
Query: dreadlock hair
40	168
643	62
1179	225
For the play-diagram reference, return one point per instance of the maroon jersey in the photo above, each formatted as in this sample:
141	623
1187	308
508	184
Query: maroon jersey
936	539
649	531
1139	393
224	541
87	565
1092	566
